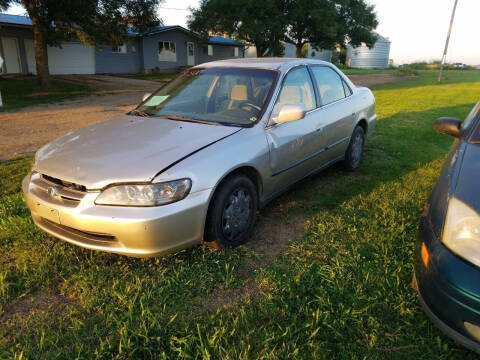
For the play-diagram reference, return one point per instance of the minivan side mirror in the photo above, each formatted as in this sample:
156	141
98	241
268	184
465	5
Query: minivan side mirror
146	96
449	126
290	113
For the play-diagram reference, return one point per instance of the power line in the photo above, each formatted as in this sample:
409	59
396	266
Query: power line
171	8
444	57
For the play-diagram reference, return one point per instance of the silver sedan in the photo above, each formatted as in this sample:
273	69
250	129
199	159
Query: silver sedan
196	159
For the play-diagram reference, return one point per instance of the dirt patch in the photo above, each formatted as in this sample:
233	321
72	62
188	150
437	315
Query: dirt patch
373	79
274	231
23	132
30	305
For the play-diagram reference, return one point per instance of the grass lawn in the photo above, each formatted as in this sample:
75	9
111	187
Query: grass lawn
21	92
340	292
160	77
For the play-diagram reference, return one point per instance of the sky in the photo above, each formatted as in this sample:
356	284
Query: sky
416	28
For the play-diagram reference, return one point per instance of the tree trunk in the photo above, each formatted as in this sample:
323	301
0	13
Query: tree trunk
298	50
260	51
40	43
41	56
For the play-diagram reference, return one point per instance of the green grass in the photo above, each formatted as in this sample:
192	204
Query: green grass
341	292
355	71
160	77
21	92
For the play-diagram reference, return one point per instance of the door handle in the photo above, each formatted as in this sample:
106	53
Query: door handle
319	128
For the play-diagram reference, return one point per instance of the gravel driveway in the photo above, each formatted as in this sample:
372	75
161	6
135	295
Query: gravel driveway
23	132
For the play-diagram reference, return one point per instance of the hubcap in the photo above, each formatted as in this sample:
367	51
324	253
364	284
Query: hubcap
236	213
357	148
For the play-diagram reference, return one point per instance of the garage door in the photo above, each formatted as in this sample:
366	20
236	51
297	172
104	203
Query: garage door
72	58
11	55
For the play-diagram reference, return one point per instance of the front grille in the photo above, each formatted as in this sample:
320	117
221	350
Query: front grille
66	193
65	184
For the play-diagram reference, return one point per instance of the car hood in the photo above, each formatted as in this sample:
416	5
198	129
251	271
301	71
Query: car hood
466	188
124	149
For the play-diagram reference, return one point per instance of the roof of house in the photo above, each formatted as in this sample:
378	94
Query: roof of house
210	39
25	20
222	40
15	19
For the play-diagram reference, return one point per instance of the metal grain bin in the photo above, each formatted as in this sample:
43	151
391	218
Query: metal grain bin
364	58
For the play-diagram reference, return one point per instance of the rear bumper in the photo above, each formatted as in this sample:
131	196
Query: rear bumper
132	231
448	287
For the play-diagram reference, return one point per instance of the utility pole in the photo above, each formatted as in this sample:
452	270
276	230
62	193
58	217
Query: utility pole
444	57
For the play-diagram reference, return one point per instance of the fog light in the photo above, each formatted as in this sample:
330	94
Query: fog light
425	255
473	330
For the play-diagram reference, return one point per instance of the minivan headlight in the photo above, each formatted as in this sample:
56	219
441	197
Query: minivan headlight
145	194
461	233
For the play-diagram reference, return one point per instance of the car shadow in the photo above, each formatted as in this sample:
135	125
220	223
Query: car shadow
402	143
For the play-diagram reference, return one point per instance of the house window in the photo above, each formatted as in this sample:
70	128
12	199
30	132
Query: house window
167	51
235	51
120	49
210	50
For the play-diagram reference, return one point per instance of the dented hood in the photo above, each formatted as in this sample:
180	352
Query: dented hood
124	149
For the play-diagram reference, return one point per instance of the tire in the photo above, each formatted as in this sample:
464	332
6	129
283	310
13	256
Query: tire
354	153
232	213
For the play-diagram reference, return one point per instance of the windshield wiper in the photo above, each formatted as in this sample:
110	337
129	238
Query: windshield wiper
182	118
140	113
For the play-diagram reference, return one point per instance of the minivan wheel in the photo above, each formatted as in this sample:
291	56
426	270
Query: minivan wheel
231	216
354	153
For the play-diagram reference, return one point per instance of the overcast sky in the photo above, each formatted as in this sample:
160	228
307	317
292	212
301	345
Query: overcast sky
416	28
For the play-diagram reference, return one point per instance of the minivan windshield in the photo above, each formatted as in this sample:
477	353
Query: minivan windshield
228	96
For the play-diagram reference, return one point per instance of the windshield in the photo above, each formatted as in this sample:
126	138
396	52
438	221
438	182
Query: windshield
229	96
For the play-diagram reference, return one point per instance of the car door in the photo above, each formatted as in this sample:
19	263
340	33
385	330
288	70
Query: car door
336	115
291	144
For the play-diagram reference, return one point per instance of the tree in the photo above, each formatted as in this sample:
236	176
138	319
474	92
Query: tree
328	23
94	22
325	24
260	23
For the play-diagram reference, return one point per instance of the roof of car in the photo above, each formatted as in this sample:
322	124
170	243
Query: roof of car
272	63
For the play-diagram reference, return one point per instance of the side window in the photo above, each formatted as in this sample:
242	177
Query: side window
347	89
297	89
329	84
469	119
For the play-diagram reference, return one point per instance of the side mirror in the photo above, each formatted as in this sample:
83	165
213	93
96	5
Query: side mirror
448	126
146	96
290	113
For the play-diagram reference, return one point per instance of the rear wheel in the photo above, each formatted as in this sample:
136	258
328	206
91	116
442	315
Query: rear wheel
354	153
231	215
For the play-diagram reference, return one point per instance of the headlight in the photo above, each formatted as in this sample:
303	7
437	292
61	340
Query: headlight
461	233
145	195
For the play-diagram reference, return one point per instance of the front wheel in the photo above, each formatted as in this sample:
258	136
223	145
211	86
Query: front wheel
232	213
354	153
